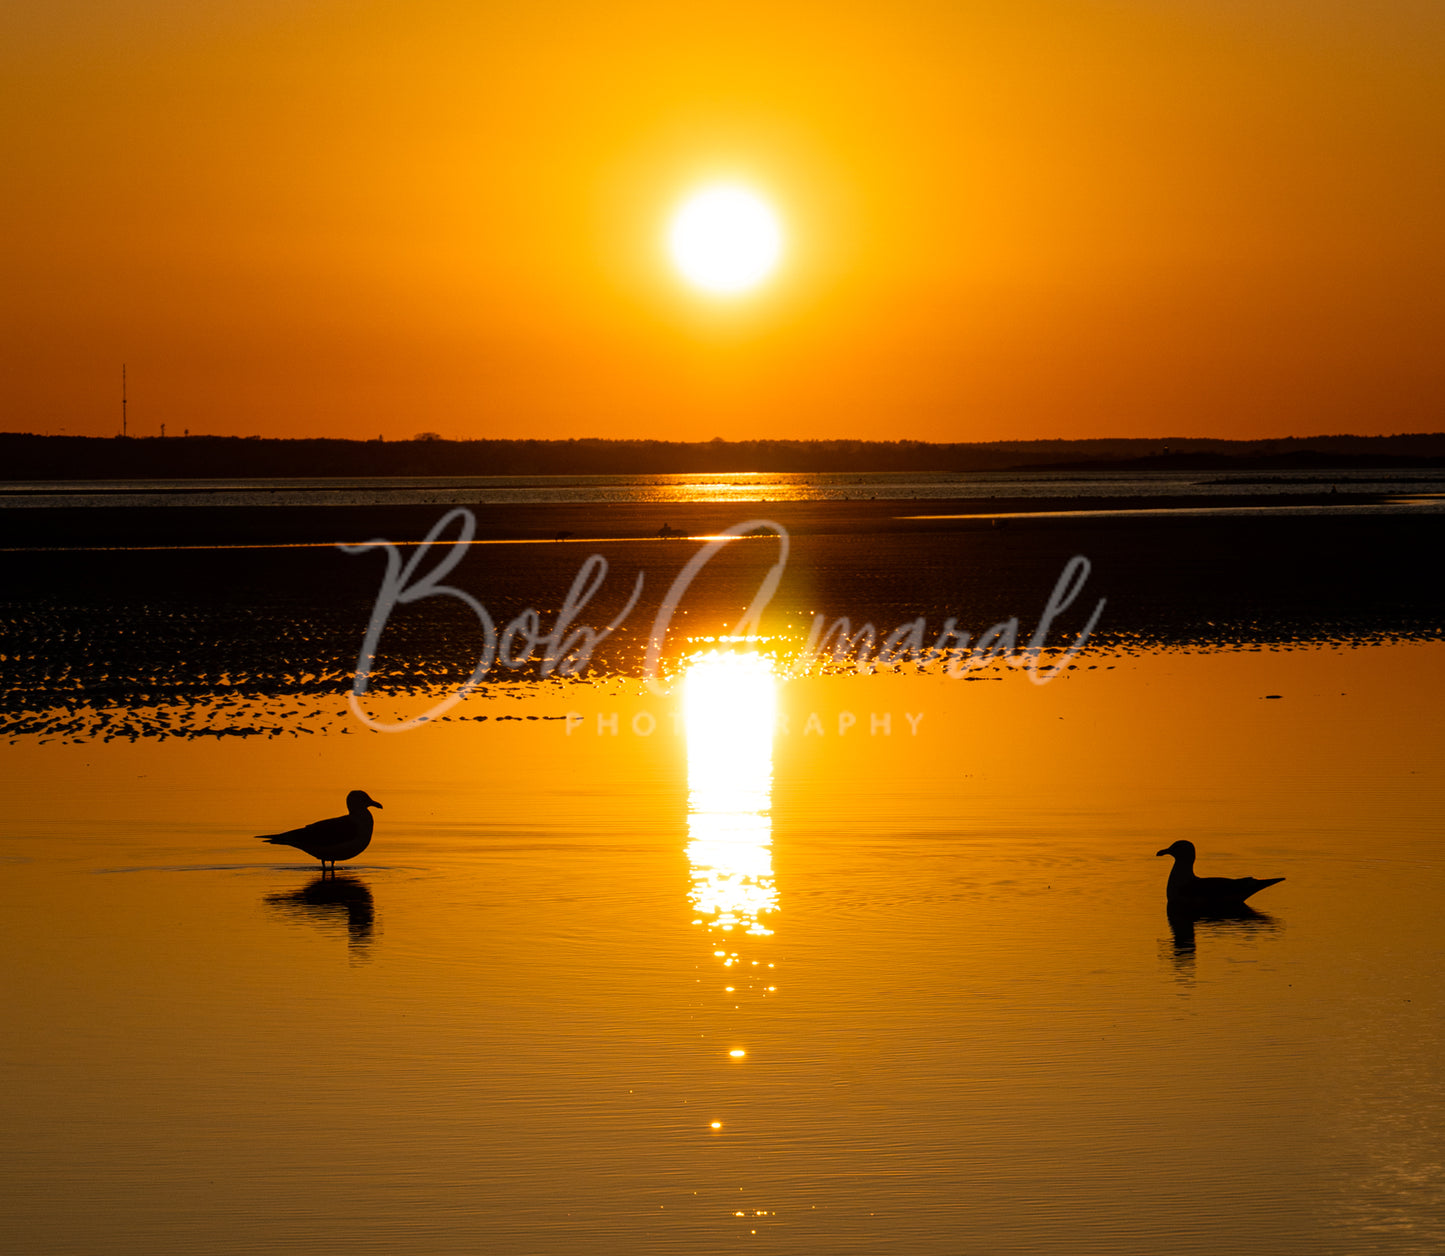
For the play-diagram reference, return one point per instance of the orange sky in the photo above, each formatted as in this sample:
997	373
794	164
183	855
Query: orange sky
1016	220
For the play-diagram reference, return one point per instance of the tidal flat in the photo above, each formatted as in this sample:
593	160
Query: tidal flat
897	978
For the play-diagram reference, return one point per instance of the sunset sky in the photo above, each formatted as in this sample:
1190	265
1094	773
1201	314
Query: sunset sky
1001	221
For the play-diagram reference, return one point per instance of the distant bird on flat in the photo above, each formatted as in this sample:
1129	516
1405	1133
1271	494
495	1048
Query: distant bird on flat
1187	892
341	837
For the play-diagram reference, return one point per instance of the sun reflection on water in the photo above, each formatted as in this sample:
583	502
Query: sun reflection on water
730	706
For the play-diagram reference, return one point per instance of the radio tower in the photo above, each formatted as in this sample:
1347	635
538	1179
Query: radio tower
122	399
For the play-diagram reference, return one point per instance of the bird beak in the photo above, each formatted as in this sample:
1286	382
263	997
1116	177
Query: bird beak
374	803
1157	853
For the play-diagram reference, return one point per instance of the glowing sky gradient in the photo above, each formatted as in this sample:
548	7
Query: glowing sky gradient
1038	219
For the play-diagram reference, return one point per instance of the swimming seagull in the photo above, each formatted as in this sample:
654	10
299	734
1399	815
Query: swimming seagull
341	837
1188	892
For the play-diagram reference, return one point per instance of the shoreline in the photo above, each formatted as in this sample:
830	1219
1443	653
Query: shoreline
104	617
69	527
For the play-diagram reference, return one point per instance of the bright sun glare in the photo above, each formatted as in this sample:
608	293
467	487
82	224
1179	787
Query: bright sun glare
725	239
730	705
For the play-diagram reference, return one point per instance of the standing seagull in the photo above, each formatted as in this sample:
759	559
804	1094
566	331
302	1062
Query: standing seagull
1186	892
341	837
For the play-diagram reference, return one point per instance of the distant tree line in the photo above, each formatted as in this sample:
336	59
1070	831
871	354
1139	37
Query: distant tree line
24	456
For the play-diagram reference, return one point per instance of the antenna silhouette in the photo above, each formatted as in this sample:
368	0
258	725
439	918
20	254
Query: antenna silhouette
122	399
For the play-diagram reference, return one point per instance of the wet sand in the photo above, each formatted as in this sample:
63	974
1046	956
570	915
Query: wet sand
300	525
87	630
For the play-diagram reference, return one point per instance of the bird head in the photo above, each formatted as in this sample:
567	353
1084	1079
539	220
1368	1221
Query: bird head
360	800
1180	850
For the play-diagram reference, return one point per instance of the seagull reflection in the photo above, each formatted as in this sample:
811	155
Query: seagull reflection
1186	926
333	904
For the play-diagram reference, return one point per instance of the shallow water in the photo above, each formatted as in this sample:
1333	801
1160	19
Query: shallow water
967	1022
976	487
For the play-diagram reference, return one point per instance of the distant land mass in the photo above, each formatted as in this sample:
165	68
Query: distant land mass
24	456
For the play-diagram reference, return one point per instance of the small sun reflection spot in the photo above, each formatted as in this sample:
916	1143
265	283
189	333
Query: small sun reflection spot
737	1053
717	1125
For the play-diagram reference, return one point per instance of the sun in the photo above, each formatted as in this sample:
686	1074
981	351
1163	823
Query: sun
725	239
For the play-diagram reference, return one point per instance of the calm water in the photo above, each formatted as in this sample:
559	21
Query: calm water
848	963
976	487
967	1023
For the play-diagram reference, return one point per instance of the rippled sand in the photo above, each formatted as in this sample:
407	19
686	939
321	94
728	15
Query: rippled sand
140	642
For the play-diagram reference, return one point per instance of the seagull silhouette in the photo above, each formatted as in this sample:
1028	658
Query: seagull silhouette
1187	892
341	837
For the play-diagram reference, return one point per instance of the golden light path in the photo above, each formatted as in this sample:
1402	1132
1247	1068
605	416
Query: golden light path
725	239
729	709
